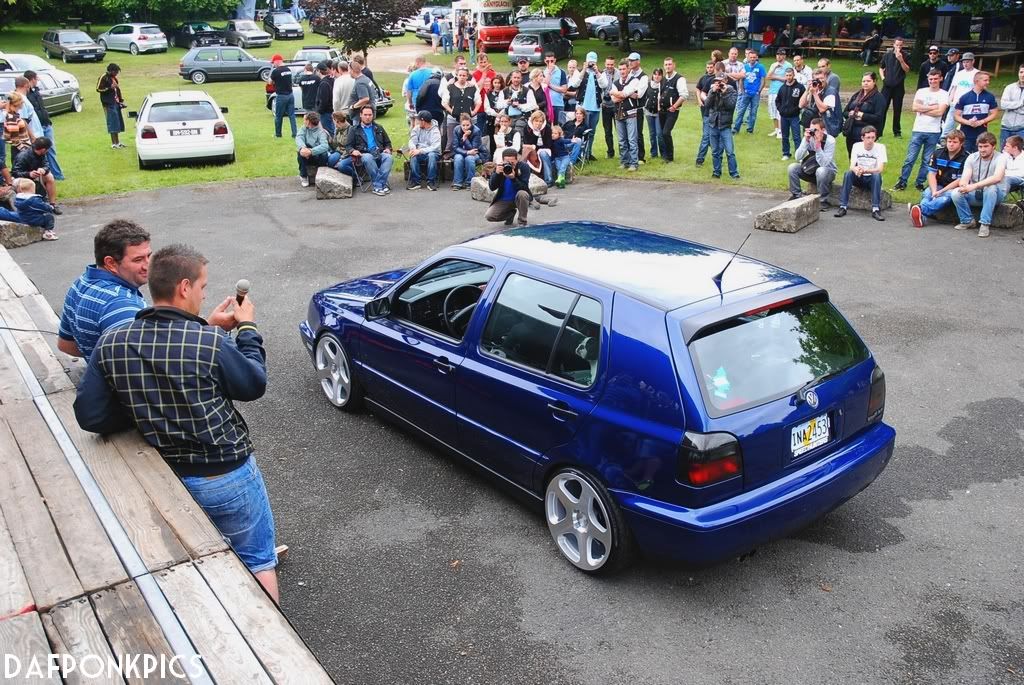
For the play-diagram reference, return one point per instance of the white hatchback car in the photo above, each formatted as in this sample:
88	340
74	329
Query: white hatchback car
134	38
182	126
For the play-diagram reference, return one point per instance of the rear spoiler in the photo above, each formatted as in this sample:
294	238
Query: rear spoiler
693	326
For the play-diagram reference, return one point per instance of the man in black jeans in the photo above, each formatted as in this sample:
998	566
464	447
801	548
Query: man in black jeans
894	73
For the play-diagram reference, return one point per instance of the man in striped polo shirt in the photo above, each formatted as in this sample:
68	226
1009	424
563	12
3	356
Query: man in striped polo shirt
107	294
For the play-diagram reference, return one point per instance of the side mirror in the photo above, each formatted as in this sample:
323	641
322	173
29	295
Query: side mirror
223	110
133	115
377	309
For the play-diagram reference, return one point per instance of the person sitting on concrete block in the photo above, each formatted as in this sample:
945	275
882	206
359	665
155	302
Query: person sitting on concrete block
1014	163
312	146
817	165
32	209
867	161
944	170
981	185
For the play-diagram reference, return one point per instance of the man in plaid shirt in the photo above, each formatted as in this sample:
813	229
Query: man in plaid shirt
175	377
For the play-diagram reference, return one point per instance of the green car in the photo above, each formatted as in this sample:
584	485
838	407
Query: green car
222	63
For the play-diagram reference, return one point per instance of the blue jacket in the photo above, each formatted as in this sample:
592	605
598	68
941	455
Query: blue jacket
33	210
175	378
459	146
560	147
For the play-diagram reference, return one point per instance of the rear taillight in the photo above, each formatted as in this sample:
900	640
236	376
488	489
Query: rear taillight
876	402
537	50
707	458
387	93
143	37
220	129
148	133
268	87
181	65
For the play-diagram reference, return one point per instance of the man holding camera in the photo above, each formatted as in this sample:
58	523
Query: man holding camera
817	163
588	96
720	104
511	180
823	98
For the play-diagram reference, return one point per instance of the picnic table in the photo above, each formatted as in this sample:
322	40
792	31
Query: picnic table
104	554
76	22
998	55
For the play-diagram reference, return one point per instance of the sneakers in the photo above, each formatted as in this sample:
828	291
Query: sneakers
716	175
456	186
379	191
825	205
774	134
413	185
632	168
387	190
841	212
966	227
785	157
917	216
876	214
641	161
982	232
699	163
50	235
795	196
57	209
734	177
432	186
304	181
118	146
560	182
900	185
919	186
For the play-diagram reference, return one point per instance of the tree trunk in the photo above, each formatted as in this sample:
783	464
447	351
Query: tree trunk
624	33
922	23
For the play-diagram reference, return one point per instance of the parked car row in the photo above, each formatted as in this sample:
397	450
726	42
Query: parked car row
60	90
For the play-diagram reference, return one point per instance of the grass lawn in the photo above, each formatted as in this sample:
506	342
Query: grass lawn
92	168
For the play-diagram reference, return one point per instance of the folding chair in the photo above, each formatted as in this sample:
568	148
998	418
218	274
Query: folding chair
588	138
361	177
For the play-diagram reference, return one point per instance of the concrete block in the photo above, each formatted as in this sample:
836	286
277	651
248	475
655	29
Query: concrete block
790	216
1007	215
479	190
537	185
859	197
331	184
18	235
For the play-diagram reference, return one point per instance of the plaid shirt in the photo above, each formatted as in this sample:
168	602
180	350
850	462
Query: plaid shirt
97	301
175	377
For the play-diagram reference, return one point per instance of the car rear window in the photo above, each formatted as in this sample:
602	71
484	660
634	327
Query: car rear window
150	30
526	39
764	355
163	112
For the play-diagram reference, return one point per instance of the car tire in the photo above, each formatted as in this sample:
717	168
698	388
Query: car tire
197	77
334	370
142	164
264	75
63	57
638	36
134	49
230	159
579	509
102	43
602	35
741	34
76	103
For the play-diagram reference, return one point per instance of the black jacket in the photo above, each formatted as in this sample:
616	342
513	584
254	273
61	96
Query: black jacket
720	105
37	102
325	96
430	99
787	100
521	180
926	66
357	138
26	162
873	107
308	82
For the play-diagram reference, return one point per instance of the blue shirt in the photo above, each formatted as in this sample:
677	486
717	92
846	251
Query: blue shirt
974	106
96	302
371	140
417	78
778	70
508	191
590	99
558	78
755	75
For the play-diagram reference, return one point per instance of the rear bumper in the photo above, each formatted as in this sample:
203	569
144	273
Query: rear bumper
152	46
725	529
165	152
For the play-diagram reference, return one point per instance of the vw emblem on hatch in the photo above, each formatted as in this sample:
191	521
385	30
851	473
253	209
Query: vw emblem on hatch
812	399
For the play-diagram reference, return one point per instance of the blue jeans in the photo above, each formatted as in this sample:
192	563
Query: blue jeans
377	168
327	123
872	181
654	126
705	141
284	106
332	160
238	505
562	164
923	144
930	206
546	167
790	128
593	119
431	159
446	43
990	197
721	139
746	102
1005	133
51	155
8	215
465	169
626	128
472	51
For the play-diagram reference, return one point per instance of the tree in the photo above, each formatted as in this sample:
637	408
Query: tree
169	11
358	25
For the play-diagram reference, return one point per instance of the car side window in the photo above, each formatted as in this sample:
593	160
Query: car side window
544	327
442	298
206	56
231	55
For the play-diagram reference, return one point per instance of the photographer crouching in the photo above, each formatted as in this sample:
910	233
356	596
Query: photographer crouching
817	162
511	180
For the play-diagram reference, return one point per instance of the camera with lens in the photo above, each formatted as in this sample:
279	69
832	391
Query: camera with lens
818	83
507	168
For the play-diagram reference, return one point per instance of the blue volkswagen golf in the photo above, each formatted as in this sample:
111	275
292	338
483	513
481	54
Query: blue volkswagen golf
652	401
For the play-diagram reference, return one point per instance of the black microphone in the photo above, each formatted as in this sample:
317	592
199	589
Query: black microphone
241	289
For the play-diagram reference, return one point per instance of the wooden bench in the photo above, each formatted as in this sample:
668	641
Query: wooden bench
103	552
981	57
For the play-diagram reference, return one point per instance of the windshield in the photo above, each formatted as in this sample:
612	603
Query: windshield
26	62
246	26
495	18
202	27
150	30
199	110
284	20
762	356
75	38
310	55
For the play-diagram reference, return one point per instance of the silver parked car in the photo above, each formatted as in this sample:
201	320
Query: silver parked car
57	96
222	63
246	33
134	38
71	45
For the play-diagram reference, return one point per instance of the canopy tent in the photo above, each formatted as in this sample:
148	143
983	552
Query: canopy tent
825	8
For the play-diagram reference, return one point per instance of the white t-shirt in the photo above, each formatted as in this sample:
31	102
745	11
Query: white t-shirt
803	76
868	159
1015	166
963	81
925	123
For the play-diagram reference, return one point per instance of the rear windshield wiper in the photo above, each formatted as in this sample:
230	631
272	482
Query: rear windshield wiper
801	393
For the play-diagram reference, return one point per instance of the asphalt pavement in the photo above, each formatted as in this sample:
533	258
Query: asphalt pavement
406	567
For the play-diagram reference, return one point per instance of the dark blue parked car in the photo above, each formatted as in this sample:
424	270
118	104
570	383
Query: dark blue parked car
607	372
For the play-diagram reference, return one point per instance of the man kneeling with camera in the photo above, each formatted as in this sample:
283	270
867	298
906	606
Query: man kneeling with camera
512	181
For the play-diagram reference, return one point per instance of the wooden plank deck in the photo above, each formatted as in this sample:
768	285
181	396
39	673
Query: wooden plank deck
22	639
74	630
15	595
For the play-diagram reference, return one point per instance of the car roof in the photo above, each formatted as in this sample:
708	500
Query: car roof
663	271
175	95
141	25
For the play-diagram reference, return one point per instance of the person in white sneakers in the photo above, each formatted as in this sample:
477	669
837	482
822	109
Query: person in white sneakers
776	77
982	185
867	162
930	104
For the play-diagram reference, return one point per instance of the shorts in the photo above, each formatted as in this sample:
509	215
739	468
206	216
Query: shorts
773	110
115	120
238	505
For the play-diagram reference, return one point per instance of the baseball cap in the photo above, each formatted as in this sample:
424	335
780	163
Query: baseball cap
781	51
721	77
634	57
277	57
933	48
591	56
952	51
523	58
967	56
424	115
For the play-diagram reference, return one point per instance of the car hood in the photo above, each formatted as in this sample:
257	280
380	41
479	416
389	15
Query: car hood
254	33
366	287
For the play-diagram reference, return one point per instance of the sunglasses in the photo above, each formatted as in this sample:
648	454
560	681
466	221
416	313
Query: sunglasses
933	52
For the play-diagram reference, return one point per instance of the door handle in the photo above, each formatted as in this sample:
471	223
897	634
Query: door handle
443	365
560	410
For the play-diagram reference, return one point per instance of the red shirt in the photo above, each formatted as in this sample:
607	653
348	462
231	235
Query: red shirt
768	38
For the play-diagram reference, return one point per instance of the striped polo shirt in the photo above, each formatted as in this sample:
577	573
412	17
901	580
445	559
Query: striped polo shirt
96	302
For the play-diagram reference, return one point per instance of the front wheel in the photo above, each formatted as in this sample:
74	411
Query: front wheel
103	44
602	35
265	75
63	57
334	369
76	103
585	523
133	48
198	77
741	34
637	36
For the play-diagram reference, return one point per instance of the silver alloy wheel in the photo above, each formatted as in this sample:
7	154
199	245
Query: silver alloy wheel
133	48
578	521
76	103
333	370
